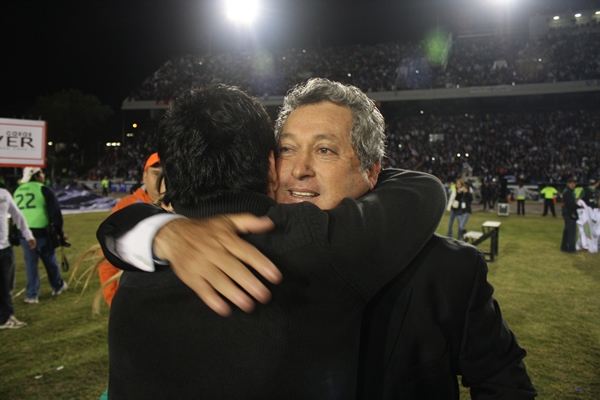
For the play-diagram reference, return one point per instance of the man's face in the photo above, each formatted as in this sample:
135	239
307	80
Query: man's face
150	178
316	160
571	185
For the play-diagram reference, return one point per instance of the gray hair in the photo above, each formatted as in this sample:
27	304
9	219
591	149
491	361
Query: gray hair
368	126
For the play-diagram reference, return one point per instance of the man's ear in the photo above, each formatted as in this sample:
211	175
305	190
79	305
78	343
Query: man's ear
273	179
373	174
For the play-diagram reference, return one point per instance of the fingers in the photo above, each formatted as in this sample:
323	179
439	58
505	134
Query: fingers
229	270
245	252
248	223
209	256
211	298
249	255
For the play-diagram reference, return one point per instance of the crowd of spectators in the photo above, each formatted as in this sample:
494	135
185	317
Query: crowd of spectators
533	147
124	163
560	55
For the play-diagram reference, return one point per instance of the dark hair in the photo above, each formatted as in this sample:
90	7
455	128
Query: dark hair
212	140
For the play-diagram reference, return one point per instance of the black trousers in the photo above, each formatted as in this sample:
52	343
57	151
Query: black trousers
549	203
520	207
569	235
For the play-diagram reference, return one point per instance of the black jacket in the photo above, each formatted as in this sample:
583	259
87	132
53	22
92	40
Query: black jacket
307	343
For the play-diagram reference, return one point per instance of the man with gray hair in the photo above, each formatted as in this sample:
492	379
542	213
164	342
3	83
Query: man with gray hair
433	320
217	150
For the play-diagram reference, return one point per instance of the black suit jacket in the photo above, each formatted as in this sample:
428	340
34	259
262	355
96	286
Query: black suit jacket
438	320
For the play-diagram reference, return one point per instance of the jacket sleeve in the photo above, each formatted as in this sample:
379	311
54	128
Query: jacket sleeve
570	202
371	239
385	229
119	223
490	359
18	218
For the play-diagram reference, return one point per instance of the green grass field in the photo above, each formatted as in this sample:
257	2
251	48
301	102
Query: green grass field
549	299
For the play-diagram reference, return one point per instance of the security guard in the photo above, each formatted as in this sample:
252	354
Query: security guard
39	206
549	193
105	186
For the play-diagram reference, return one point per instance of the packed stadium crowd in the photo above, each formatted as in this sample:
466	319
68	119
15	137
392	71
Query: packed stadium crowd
560	55
533	147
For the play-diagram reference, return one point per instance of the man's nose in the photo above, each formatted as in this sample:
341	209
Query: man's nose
303	166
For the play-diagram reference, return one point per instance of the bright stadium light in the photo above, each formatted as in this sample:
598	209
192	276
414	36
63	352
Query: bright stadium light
556	18
243	11
578	15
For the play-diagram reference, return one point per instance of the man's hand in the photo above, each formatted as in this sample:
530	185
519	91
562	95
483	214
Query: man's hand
31	244
208	256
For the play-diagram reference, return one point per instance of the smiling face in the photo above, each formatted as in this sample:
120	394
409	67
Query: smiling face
317	162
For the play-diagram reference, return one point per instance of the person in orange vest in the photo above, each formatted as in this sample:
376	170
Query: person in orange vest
147	193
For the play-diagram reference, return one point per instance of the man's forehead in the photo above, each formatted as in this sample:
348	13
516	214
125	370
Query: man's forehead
323	120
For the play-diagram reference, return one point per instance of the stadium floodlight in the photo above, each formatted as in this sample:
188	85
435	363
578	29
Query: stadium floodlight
242	11
50	143
578	15
597	12
556	18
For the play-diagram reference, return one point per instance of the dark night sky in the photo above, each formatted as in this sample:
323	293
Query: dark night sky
108	47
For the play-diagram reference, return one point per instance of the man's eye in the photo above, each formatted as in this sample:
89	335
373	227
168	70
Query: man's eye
283	149
325	150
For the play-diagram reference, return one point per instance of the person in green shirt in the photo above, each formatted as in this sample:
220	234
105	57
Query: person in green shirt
39	206
549	193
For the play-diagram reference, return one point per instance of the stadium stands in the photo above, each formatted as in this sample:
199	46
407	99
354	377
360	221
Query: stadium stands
536	146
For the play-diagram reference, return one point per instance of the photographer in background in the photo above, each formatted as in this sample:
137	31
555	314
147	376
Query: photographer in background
39	206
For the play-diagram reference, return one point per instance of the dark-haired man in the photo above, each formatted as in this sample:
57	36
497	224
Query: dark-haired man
433	321
218	155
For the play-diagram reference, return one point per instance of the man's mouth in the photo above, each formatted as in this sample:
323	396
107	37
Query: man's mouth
303	194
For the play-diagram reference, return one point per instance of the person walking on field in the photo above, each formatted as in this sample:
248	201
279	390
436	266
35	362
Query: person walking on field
549	193
39	206
8	208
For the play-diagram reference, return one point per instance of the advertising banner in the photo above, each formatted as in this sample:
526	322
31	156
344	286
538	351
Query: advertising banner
22	143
